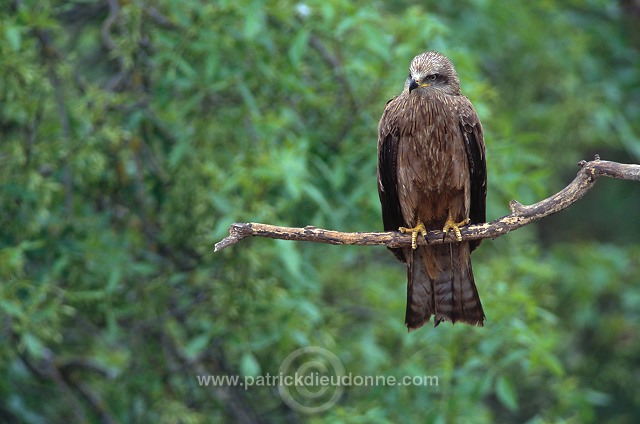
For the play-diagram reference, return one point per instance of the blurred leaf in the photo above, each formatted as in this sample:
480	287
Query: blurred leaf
298	47
249	365
506	393
12	33
196	345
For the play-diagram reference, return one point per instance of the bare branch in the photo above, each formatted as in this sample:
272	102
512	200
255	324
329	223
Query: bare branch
520	216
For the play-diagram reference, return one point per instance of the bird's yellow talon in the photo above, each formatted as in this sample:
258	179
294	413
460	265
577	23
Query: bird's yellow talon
419	228
455	226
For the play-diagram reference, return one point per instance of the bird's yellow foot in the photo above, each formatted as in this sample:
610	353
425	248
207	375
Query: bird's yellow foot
419	228
455	226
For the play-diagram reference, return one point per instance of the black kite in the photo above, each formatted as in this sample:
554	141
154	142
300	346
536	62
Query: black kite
432	175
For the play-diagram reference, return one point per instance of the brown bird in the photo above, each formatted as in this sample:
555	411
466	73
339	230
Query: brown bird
432	175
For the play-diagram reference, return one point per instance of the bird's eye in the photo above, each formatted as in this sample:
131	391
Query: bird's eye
432	77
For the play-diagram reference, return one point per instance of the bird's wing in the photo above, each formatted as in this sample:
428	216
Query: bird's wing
474	145
388	138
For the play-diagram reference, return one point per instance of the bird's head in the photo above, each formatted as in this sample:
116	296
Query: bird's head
433	71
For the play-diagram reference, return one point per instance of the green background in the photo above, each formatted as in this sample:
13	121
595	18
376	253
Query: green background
133	133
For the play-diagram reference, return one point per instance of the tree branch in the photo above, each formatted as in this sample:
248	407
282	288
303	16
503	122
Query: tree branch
51	56
520	216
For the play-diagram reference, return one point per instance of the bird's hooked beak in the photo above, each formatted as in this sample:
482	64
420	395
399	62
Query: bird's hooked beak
413	84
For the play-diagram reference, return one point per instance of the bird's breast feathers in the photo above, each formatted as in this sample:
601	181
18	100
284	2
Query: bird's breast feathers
429	134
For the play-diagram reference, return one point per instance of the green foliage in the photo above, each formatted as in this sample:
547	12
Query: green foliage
134	133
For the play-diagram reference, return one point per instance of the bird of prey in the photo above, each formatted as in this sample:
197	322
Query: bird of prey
432	175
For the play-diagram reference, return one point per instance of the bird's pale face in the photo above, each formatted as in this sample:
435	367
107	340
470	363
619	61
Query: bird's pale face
432	70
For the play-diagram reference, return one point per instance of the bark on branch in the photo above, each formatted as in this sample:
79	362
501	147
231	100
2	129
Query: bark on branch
520	216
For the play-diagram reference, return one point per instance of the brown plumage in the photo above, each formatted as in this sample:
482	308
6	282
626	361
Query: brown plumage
431	167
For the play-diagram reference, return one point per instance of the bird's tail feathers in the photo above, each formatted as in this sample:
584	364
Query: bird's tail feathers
440	283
